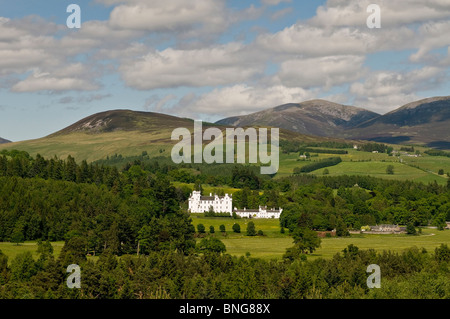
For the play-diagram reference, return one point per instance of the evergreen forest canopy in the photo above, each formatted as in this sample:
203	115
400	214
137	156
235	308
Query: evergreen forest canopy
135	210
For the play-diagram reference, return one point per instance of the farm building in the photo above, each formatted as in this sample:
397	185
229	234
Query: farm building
386	229
262	212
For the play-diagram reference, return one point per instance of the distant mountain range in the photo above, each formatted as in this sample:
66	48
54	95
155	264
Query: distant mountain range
422	122
316	117
4	141
127	132
426	121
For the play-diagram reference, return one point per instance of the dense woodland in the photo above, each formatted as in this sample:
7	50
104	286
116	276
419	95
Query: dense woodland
136	221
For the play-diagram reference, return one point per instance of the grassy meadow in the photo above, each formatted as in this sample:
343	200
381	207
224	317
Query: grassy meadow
420	169
274	244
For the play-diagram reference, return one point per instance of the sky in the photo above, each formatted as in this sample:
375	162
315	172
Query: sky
211	59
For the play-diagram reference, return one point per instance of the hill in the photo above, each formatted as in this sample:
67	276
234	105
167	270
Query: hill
123	132
125	120
421	122
4	141
315	117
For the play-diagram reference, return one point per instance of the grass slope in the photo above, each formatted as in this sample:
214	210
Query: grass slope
420	169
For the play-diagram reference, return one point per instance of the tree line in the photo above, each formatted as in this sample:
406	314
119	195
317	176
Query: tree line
209	273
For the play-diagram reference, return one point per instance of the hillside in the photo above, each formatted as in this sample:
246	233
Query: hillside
4	141
422	122
315	117
123	132
107	133
125	120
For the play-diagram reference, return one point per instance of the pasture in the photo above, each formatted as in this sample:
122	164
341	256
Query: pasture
274	244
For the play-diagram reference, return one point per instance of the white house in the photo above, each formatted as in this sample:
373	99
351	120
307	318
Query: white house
262	212
201	204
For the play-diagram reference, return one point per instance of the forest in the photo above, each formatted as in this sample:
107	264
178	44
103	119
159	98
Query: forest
135	220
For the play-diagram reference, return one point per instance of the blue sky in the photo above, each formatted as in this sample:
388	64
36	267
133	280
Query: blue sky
208	59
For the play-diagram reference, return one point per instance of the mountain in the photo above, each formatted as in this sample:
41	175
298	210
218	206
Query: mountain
315	117
425	121
4	141
125	120
124	132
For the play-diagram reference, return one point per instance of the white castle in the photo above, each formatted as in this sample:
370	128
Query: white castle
201	204
224	204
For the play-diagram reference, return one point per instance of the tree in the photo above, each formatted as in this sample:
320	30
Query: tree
251	229
17	236
306	240
198	186
390	170
341	228
442	253
23	267
410	229
326	171
212	245
222	228
441	172
351	251
236	228
45	248
73	251
211	229
201	228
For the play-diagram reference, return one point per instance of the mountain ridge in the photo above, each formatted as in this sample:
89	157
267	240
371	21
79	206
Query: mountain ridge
314	117
425	121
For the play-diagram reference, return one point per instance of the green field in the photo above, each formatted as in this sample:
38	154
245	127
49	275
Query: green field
274	244
208	189
420	169
12	250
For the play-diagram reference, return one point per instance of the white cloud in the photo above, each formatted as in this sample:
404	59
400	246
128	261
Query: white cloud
338	13
310	41
171	15
386	90
281	13
217	65
432	36
273	2
240	99
70	77
33	84
324	72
